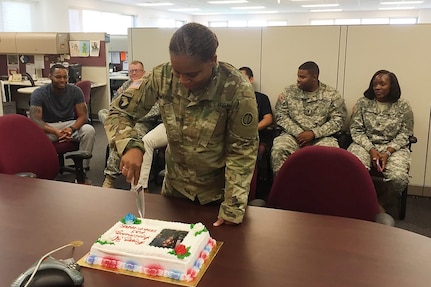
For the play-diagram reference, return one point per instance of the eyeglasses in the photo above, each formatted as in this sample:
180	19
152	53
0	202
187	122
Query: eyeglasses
135	71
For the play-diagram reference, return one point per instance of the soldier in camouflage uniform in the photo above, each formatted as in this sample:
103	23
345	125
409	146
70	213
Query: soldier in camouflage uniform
309	113
112	170
210	113
381	125
136	72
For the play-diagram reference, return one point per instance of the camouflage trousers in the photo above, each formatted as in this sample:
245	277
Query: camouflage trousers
397	167
285	144
114	159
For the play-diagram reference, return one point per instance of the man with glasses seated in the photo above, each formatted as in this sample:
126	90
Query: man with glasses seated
136	72
111	172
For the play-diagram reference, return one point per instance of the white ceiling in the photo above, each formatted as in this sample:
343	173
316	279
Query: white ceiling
285	6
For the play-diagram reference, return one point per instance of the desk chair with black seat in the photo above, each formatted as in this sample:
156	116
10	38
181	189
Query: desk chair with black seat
326	180
70	149
25	149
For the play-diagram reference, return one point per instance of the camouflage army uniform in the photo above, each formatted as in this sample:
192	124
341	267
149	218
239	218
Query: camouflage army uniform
372	128
104	112
131	97
212	136
322	111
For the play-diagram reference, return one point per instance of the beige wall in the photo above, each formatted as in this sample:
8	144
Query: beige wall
347	56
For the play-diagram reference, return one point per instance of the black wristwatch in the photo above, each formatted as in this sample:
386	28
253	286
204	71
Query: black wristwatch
73	129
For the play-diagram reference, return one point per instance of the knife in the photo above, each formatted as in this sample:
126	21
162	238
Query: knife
139	194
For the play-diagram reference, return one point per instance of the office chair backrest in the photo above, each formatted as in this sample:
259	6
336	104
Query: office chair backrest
24	147
325	180
85	86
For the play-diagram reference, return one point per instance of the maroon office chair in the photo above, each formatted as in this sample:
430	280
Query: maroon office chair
326	180
85	87
25	149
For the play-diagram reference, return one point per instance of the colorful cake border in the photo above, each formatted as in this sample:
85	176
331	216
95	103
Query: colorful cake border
83	263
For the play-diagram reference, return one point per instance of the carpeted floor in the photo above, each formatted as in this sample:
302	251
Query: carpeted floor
418	215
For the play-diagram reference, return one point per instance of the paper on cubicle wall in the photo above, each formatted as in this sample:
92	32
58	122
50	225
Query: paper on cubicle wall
95	48
79	48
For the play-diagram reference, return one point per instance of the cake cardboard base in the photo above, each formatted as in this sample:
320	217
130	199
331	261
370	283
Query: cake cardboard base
81	262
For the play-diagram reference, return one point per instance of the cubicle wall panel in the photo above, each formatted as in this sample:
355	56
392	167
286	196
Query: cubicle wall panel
150	45
241	47
237	46
402	50
285	48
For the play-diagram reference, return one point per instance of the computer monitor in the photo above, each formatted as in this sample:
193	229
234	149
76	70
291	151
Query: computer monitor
75	73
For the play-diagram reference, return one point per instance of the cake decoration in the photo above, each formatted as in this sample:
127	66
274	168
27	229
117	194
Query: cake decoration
180	251
130	219
153	247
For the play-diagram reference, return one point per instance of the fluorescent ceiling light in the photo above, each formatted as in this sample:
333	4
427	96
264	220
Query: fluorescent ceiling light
326	10
154	4
249	8
397	8
228	2
262	12
206	13
184	9
401	3
320	5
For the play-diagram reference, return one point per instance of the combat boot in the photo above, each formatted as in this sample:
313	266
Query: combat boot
108	182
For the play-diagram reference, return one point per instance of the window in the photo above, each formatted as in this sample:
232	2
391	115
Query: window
98	21
364	21
347	21
237	23
403	21
375	21
322	22
277	23
16	17
218	23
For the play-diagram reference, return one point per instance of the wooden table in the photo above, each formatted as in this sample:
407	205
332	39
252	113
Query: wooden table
271	247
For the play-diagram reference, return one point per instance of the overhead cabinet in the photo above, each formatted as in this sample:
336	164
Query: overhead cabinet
7	43
42	43
34	43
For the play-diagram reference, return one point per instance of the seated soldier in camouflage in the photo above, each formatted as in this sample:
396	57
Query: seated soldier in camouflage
112	171
309	113
210	114
381	125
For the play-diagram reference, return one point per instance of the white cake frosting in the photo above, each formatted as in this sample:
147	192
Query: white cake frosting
137	247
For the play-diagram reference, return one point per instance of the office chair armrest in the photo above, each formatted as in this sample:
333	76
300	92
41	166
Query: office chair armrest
26	174
384	218
74	155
